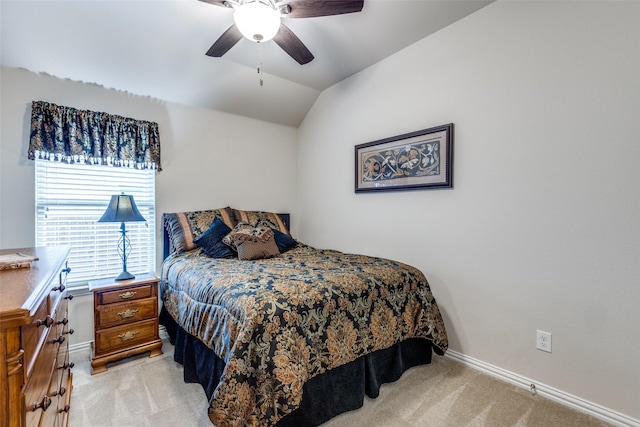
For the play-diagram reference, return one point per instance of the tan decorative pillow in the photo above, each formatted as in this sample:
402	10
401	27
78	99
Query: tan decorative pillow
185	227
241	228
251	247
261	219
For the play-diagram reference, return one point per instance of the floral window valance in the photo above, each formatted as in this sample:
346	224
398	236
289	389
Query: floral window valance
81	136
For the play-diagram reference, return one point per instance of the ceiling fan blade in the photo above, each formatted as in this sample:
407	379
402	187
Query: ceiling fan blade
216	2
291	44
226	41
315	8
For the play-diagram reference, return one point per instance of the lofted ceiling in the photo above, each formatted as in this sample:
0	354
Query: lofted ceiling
157	48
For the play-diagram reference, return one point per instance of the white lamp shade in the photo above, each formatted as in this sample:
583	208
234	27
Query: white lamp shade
257	21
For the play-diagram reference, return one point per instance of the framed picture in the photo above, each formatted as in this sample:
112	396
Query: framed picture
416	160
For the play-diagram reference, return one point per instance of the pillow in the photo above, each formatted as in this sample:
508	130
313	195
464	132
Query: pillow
251	247
184	227
283	241
243	228
259	218
211	240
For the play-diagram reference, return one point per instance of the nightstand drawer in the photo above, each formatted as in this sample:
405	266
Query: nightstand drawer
125	336
125	312
121	295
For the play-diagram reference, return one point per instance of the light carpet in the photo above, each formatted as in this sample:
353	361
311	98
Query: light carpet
142	391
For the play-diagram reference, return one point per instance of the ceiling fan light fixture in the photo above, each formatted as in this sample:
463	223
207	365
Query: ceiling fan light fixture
257	21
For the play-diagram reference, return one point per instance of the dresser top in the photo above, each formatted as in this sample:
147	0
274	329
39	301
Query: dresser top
22	289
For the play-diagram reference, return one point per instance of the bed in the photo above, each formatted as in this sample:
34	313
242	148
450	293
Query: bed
281	333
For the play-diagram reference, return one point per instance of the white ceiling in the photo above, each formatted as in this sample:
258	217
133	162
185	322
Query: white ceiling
157	48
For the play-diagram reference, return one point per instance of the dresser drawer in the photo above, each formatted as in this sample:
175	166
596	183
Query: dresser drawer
50	416
33	334
65	331
61	378
110	297
38	397
125	312
58	289
119	337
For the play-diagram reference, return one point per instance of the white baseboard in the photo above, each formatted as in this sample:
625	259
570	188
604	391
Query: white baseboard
549	392
80	348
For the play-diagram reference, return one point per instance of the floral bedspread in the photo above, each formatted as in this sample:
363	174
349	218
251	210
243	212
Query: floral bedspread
281	321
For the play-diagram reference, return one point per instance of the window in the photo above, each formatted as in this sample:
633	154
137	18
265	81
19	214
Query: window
70	198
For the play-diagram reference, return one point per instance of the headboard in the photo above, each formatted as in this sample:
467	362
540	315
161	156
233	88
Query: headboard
166	242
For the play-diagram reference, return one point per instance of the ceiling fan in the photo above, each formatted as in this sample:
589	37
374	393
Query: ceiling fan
259	21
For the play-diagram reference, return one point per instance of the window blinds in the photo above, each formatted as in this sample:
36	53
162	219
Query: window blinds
69	201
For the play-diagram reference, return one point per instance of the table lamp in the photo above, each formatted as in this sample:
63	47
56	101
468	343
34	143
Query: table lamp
122	209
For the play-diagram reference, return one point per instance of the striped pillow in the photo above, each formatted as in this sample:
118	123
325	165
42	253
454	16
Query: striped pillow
185	227
261	219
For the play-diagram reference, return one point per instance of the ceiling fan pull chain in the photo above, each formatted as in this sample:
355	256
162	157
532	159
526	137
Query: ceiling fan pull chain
260	64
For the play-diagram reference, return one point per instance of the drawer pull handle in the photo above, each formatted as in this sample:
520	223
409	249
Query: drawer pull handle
127	295
46	402
60	392
58	340
70	332
59	288
128	313
66	270
47	322
67	366
129	335
64	321
69	297
65	409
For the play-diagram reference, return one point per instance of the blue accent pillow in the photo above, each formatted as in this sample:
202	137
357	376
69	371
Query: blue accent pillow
283	241
211	240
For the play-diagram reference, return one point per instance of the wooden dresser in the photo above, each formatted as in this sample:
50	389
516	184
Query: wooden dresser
125	319
35	372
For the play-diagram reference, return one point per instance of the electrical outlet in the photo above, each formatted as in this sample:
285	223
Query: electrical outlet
543	341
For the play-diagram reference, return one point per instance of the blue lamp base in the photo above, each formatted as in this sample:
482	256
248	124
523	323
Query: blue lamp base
125	275
123	251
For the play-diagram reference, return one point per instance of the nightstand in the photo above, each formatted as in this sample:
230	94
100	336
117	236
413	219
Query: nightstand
125	317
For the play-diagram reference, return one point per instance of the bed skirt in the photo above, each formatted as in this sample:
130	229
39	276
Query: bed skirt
337	391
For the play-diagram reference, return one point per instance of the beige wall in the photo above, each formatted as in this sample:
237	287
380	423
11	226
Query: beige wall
210	159
542	227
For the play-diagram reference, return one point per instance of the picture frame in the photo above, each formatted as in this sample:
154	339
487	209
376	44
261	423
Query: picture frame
412	161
